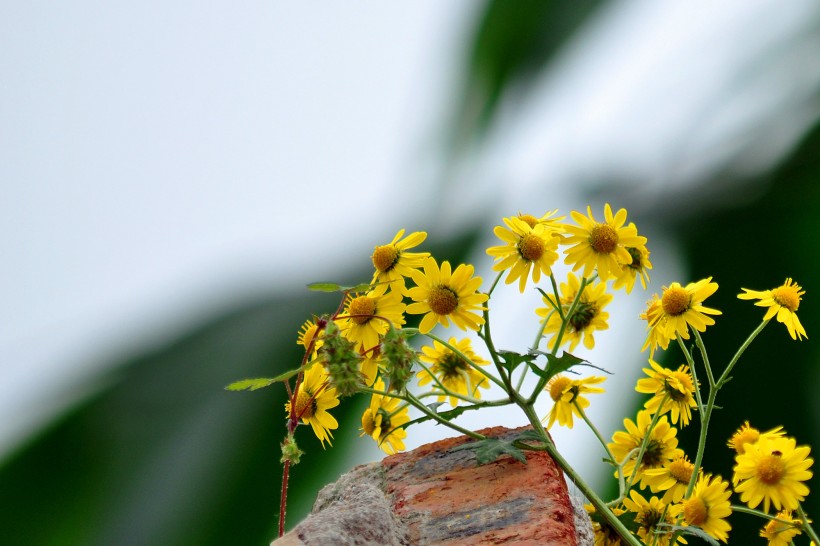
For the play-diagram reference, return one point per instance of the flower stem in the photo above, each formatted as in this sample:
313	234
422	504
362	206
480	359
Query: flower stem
283	501
807	525
594	429
724	377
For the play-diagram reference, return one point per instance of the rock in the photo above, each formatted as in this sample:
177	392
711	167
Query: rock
438	495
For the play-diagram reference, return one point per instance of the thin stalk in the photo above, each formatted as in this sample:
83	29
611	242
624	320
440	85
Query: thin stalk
705	357
724	377
472	364
807	525
594	429
691	361
418	404
283	500
645	442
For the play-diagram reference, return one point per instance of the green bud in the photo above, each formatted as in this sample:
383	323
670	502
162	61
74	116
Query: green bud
341	360
290	451
399	357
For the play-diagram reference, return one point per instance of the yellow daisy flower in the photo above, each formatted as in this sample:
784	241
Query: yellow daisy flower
652	518
370	365
527	248
383	420
368	316
313	399
661	448
708	507
672	478
443	294
747	434
549	220
566	393
676	387
601	246
637	269
782	302
655	326
682	307
605	535
393	263
588	316
453	371
780	533
307	333
773	471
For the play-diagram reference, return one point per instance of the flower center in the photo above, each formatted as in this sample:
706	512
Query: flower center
442	300
675	300
385	426
557	386
531	247
603	239
653	456
770	469
681	470
695	511
362	309
385	257
786	296
451	365
583	315
305	406
529	219
636	257
368	424
649	518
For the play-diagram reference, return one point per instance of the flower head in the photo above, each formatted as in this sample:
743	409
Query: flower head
605	534
781	533
674	389
773	471
567	395
672	478
549	220
747	434
527	248
313	398
637	269
601	247
393	263
383	421
309	333
451	370
369	317
587	317
677	309
652	517
661	448
708	507
782	302
443	295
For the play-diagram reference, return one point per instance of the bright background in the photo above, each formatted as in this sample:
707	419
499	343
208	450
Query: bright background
174	174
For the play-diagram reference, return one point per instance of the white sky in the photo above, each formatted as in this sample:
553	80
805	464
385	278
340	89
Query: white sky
160	160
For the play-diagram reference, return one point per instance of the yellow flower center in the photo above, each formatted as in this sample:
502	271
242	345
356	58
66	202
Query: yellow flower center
531	247
681	470
635	254
787	296
582	316
771	469
695	511
385	257
675	300
653	456
603	239
362	309
368	423
451	365
442	300
530	220
557	386
744	436
305	406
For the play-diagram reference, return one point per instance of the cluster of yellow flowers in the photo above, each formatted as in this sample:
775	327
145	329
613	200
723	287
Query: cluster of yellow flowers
362	338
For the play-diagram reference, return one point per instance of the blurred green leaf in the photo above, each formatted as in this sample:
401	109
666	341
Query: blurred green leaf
333	287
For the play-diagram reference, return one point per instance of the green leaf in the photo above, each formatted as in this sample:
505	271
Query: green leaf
333	287
511	359
262	382
556	365
490	449
694	531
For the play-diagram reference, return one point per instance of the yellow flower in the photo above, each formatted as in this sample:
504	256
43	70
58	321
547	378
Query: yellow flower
307	333
566	393
454	373
680	307
749	435
773	471
601	246
708	507
780	533
368	317
588	316
673	478
638	268
313	399
370	365
783	302
443	294
661	448
655	326
383	421
549	220
605	534
676	387
527	248
393	263
652	517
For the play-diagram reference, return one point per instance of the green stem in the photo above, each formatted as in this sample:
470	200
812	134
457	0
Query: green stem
594	429
472	364
807	526
705	358
691	361
419	405
495	282
645	442
724	377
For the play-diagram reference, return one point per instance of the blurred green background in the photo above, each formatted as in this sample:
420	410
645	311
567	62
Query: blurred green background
160	454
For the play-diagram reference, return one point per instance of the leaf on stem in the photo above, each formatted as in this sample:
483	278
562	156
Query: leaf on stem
490	449
262	382
333	287
511	359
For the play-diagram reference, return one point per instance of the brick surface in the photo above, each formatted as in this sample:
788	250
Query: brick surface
436	494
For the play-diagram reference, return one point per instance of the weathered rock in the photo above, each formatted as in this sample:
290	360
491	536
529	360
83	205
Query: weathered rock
438	495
